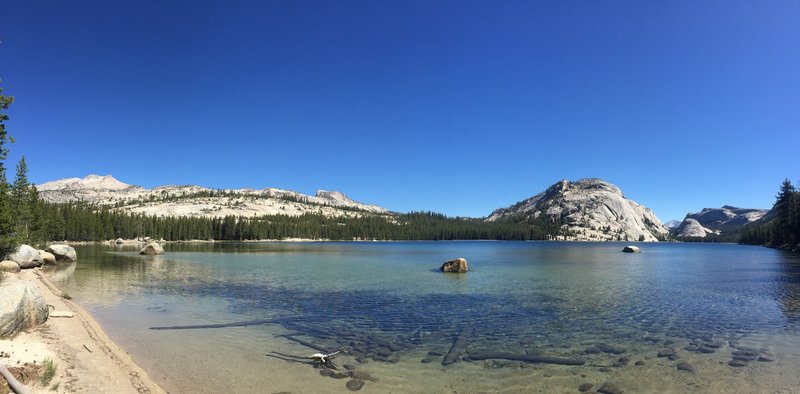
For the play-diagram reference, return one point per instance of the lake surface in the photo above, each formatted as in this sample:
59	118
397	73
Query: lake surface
397	316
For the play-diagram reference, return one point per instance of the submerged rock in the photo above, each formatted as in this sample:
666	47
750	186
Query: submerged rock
458	265
684	366
152	248
766	358
631	249
22	307
592	350
326	372
737	363
613	349
585	387
63	253
361	375
355	385
666	353
609	388
705	350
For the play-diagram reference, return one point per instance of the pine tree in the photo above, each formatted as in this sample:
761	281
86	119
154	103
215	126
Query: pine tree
38	222
8	239
20	202
785	209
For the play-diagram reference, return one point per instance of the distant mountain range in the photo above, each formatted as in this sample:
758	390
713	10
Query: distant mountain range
586	210
199	201
723	221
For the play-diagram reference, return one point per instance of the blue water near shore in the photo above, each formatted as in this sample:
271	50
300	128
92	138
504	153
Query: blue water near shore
389	306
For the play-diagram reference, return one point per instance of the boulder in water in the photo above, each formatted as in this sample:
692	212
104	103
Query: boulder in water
63	253
22	307
456	265
631	249
152	248
47	257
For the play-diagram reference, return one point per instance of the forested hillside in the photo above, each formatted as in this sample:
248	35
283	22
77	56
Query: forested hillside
781	226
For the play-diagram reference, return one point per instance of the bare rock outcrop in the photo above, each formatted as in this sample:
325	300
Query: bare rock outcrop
458	265
692	228
719	221
63	253
198	201
26	256
590	210
22	307
153	248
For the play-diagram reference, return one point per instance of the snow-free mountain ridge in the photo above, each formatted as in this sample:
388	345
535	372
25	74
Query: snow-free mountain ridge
725	220
587	209
199	201
591	209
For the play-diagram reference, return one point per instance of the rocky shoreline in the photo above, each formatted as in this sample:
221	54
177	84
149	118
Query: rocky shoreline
82	356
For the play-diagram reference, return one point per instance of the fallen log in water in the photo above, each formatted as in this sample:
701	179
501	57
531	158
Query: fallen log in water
528	358
220	325
306	344
458	345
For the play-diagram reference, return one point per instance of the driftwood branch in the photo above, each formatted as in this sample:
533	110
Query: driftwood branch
458	346
528	358
220	325
288	358
13	383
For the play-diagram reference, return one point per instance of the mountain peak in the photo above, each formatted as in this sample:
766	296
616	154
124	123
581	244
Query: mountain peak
90	182
591	209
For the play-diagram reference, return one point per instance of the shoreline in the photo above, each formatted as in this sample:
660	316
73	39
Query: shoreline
86	359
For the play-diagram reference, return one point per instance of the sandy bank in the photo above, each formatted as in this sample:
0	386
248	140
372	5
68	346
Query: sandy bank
87	360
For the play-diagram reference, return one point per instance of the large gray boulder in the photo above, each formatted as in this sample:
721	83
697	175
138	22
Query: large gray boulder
26	256
9	266
152	248
63	253
456	265
47	257
22	307
631	249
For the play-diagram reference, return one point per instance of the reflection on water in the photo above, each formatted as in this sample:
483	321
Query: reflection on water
390	308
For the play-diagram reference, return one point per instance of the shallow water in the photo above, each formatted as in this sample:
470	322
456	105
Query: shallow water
388	306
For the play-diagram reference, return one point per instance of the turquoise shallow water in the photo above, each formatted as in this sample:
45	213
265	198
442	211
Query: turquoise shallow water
389	306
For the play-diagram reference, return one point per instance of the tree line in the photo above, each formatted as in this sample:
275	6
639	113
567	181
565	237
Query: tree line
21	216
782	229
79	221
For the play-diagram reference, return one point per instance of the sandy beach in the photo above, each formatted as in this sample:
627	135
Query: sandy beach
86	360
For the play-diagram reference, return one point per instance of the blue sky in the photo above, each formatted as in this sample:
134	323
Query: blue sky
458	107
